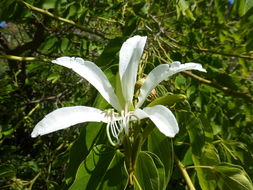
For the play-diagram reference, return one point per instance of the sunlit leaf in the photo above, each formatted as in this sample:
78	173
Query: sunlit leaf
232	177
103	167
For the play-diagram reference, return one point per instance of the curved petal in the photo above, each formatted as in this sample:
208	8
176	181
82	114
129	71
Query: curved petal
129	57
92	73
162	72
162	117
65	117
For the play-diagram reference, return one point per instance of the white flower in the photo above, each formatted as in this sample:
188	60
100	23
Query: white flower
117	119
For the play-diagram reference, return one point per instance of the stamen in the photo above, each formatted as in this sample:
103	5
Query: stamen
113	129
108	134
116	125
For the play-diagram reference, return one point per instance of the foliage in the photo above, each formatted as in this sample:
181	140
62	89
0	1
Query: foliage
214	148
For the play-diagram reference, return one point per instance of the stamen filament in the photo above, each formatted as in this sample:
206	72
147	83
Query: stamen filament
116	125
109	135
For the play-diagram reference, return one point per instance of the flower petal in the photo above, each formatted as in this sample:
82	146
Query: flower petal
162	72
162	117
92	73
130	54
65	117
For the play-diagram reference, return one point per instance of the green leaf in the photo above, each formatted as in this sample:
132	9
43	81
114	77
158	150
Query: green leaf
116	176
7	171
48	45
180	82
242	6
48	4
195	131
6	9
64	44
131	24
146	173
184	8
141	9
162	147
231	177
220	6
53	77
110	52
102	169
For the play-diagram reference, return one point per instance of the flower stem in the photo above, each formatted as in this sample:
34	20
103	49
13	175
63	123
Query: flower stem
132	149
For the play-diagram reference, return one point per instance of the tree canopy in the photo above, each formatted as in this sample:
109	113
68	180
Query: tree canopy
214	146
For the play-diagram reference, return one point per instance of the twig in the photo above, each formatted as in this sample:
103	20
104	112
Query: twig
71	22
33	181
19	58
183	171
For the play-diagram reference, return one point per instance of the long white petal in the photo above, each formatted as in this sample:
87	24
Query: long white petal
92	73
162	117
129	57
162	72
65	117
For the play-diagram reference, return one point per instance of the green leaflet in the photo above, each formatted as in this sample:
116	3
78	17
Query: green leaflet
6	8
110	51
49	45
183	8
103	168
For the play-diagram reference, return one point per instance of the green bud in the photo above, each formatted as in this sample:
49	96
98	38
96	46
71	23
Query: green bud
168	100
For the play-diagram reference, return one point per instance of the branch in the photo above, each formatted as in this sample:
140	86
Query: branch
215	85
71	22
18	58
163	31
